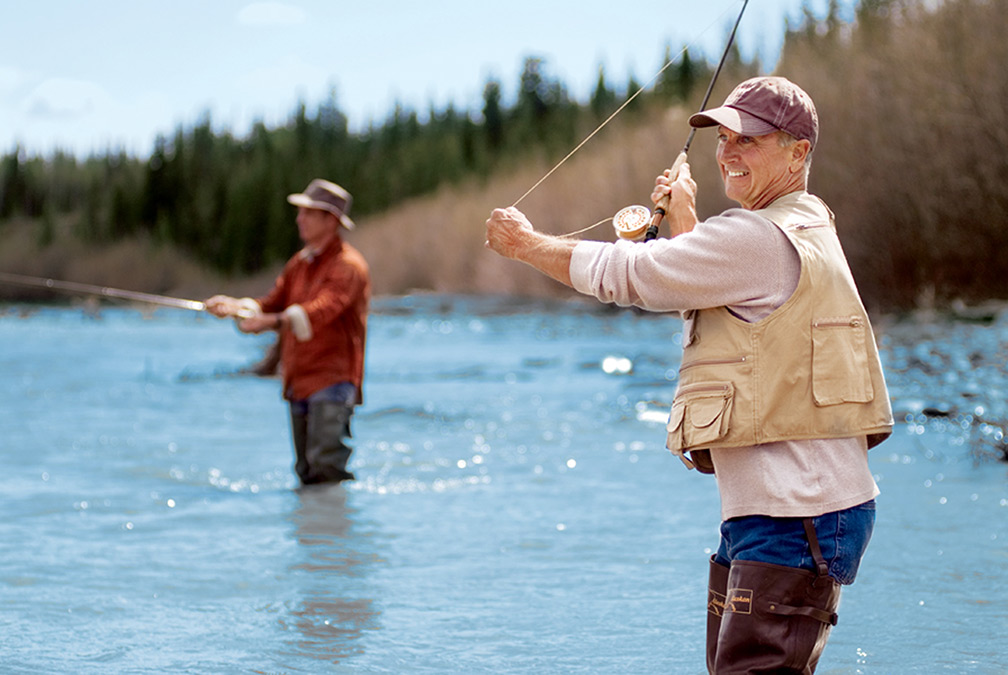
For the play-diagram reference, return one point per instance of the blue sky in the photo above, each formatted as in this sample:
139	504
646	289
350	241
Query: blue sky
109	74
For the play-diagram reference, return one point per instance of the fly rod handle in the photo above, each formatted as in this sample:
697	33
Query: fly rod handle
663	203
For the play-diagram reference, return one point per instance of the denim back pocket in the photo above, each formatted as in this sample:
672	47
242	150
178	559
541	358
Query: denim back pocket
843	536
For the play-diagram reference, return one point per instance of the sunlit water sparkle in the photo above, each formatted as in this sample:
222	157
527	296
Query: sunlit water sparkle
515	510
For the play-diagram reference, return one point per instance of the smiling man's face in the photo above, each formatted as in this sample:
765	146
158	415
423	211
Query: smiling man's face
756	170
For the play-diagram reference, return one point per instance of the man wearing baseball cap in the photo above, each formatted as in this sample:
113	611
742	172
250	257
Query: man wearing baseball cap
780	390
319	306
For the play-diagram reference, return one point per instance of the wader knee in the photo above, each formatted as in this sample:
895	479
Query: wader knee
777	619
717	586
325	453
299	434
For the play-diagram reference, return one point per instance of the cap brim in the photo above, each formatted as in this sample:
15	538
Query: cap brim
301	199
738	121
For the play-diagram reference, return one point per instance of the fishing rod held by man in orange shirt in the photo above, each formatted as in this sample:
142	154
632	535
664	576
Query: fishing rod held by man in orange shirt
109	292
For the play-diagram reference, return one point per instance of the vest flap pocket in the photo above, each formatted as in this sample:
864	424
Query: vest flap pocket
706	410
674	440
700	414
676	416
840	372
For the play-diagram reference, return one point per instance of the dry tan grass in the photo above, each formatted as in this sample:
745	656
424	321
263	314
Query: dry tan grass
914	124
132	264
430	244
910	159
436	243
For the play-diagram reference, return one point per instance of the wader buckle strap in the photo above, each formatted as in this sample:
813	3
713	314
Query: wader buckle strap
812	612
814	545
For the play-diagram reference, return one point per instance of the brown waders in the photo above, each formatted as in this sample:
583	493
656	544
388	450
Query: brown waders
775	619
321	454
717	586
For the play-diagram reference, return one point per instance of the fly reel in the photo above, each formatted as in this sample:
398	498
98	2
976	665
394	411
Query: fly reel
631	222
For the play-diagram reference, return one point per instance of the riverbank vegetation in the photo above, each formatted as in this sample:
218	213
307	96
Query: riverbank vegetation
912	98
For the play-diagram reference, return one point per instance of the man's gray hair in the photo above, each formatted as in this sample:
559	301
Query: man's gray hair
786	140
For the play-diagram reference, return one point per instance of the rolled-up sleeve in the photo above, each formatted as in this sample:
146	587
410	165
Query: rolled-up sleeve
735	259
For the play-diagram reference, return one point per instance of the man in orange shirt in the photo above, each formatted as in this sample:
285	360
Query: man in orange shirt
319	306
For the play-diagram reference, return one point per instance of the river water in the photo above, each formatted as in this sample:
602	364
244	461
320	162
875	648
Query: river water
515	510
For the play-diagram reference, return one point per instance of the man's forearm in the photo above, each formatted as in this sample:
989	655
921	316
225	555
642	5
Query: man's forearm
510	234
550	255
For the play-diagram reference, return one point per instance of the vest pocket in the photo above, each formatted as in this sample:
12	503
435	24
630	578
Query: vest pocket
840	371
700	414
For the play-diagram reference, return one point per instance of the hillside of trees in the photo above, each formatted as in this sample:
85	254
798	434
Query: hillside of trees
911	97
221	199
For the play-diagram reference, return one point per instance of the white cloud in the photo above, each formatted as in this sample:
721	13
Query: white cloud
61	98
271	14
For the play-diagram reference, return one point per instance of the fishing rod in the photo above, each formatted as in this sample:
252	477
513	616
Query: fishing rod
108	292
629	221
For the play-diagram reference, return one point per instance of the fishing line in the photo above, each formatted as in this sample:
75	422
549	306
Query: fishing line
570	154
585	229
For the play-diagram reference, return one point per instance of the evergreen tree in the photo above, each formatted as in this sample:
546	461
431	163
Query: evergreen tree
493	116
632	87
603	99
13	186
667	87
686	76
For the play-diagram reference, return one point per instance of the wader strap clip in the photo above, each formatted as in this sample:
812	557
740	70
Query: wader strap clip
814	545
812	612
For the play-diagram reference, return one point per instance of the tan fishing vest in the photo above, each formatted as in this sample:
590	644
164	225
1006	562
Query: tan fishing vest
809	370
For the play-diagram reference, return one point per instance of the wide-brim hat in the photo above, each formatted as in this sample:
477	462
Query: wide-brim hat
327	196
763	105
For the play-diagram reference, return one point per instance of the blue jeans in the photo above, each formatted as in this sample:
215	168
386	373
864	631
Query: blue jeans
843	537
341	392
320	426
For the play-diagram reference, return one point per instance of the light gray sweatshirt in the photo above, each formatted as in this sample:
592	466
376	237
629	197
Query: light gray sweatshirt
741	261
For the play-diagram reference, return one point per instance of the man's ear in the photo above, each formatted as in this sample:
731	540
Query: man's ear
799	153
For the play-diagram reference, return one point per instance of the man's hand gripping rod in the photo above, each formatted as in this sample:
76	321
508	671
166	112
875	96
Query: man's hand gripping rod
660	209
662	206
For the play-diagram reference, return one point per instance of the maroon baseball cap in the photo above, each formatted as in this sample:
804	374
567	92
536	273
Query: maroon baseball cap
763	105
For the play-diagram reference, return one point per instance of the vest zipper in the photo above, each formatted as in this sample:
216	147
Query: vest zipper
703	386
713	362
853	322
810	227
